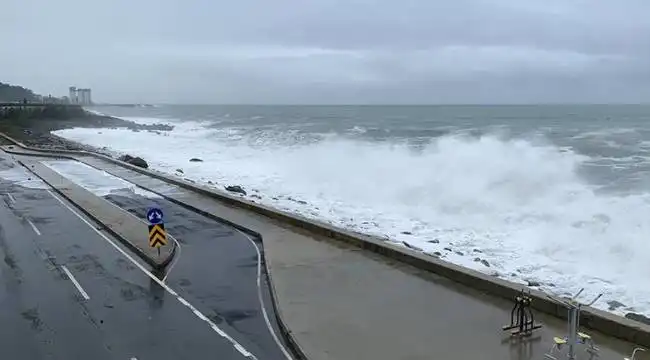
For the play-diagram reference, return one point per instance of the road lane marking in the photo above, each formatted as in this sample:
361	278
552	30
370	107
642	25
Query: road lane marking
177	256
34	227
242	350
75	282
11	198
261	298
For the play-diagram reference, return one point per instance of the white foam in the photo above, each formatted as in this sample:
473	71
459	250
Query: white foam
521	204
147	120
21	177
98	182
94	112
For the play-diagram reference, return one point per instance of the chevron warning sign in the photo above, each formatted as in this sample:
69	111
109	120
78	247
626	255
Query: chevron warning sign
157	235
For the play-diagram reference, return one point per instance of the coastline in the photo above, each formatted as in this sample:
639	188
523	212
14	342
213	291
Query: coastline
41	137
37	132
599	320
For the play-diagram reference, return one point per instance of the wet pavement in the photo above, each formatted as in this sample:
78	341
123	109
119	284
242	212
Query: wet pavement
67	292
216	269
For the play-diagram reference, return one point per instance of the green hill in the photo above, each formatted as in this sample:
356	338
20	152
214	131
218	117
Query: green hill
12	93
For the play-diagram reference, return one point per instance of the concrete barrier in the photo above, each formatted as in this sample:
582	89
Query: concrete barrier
122	225
604	322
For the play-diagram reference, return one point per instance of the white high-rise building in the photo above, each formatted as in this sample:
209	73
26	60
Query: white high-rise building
80	96
73	95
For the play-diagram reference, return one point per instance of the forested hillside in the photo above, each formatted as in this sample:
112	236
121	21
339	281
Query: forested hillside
12	93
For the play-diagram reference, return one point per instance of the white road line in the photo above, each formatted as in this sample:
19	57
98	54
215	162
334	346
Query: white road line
261	298
34	227
178	244
180	299
75	282
11	198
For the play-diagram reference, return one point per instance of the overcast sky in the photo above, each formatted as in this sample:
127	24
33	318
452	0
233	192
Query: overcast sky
330	51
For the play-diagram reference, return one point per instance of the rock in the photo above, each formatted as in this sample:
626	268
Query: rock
434	241
137	161
459	253
447	248
437	253
533	283
210	182
180	171
638	317
195	160
236	189
477	251
413	247
613	305
125	158
407	233
485	262
477	259
255	196
275	198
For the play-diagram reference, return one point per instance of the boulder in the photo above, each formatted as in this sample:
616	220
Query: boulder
638	317
613	305
125	158
236	189
195	160
137	161
180	171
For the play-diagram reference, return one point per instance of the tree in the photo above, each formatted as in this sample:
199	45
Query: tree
14	93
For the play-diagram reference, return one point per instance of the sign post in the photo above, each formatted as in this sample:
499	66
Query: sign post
157	234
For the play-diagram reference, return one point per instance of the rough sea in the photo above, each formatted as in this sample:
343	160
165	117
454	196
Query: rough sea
555	196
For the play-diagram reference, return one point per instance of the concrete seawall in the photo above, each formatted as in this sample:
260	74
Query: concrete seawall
601	321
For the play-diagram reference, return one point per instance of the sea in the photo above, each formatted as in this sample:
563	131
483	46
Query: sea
553	196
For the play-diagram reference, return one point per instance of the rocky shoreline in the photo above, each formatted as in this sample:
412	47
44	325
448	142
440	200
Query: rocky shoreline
37	132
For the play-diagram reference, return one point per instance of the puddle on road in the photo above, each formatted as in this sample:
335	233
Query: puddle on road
96	181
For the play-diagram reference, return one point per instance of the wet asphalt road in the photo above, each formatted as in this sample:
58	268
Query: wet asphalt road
217	270
118	312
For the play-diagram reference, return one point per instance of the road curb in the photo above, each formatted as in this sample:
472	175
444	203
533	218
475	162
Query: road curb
604	322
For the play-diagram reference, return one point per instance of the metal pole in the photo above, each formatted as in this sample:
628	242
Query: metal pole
573	313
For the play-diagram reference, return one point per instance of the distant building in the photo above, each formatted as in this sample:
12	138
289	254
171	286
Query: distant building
80	96
73	95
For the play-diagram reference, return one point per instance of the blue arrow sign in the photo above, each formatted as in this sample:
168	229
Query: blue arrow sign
155	216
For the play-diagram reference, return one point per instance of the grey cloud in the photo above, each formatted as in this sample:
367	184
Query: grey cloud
331	51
